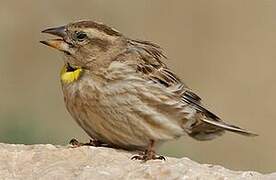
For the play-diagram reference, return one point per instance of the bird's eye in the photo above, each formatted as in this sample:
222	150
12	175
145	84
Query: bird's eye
81	36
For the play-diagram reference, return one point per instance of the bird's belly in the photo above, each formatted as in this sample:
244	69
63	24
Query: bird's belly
122	120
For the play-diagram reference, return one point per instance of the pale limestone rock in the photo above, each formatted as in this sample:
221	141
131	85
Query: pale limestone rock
56	162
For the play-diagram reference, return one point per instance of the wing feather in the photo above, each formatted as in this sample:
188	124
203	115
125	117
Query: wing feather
155	70
208	125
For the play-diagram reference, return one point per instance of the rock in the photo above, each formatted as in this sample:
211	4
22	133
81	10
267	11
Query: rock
57	162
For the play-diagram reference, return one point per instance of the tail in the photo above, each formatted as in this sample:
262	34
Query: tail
224	126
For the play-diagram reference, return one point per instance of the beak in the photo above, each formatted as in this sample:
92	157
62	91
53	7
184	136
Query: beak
58	31
59	44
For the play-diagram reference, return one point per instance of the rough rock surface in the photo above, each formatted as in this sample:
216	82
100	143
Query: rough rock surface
56	162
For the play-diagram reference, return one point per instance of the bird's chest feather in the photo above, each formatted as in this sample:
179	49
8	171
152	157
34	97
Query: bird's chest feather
80	89
95	85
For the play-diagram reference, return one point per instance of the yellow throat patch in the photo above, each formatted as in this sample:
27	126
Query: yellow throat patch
70	73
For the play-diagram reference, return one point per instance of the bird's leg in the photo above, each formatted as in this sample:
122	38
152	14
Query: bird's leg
93	142
148	154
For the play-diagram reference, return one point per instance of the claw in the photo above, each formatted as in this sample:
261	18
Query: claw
136	157
161	158
148	156
93	142
75	143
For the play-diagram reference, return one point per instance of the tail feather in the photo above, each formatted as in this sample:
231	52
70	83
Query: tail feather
228	127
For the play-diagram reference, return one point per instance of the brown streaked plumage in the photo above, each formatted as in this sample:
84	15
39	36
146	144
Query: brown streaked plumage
122	94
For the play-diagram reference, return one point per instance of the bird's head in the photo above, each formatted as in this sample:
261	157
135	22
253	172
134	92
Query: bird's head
86	43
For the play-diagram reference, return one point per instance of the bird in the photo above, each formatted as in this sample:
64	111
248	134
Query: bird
123	95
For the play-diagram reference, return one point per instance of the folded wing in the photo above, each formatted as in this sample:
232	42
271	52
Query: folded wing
203	125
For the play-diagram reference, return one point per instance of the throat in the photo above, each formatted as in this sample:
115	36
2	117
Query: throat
70	73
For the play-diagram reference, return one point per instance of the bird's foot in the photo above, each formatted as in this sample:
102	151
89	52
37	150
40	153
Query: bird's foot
93	142
147	155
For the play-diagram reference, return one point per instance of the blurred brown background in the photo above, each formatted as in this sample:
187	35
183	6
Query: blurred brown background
223	49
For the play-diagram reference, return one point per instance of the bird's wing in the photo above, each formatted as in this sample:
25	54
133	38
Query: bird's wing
155	70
